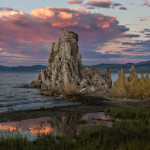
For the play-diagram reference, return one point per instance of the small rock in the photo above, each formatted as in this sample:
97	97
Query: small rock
42	108
26	86
62	97
10	109
93	89
83	90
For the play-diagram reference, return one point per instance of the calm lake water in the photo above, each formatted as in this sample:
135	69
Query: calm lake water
21	98
11	96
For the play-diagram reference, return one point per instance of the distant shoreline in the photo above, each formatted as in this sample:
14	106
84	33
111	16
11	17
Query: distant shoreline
140	67
36	71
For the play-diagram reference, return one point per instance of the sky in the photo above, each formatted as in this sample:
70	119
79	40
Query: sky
110	31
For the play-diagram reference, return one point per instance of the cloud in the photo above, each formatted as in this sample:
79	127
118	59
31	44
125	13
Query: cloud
102	4
140	49
64	15
42	13
132	3
26	37
129	50
144	18
144	44
147	35
132	35
146	30
72	2
92	4
146	3
7	9
123	8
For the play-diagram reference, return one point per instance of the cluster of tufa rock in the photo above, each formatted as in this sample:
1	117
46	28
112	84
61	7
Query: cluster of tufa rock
65	68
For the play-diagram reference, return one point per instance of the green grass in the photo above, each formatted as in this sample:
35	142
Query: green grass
134	113
131	131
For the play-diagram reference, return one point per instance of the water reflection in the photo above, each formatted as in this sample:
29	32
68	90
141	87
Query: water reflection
58	125
95	116
66	125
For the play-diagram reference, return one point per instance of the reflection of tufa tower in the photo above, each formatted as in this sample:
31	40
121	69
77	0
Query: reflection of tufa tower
65	68
65	126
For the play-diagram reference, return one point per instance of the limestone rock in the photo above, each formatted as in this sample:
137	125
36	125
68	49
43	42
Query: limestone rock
65	68
108	77
62	97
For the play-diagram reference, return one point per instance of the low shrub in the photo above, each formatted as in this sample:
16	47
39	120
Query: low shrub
132	87
71	90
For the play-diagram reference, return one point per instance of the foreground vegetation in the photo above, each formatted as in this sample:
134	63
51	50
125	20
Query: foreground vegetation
132	87
131	131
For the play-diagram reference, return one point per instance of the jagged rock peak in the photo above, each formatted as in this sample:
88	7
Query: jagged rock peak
68	44
69	35
65	68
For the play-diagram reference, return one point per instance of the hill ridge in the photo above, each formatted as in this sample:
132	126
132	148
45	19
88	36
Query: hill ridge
140	67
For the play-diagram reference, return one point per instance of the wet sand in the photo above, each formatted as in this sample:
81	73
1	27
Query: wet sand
96	102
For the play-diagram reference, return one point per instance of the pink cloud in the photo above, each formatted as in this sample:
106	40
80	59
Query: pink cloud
102	4
144	18
7	9
42	13
65	15
72	2
28	36
146	3
123	8
132	3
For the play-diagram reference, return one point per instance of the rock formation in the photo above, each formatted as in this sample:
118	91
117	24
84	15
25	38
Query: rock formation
65	68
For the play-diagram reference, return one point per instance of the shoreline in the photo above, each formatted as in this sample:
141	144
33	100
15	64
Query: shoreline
85	104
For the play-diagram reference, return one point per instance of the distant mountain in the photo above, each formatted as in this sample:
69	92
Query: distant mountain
22	68
140	67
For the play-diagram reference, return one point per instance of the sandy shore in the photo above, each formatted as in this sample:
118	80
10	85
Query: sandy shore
96	102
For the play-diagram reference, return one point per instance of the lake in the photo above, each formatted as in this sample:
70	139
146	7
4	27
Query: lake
11	96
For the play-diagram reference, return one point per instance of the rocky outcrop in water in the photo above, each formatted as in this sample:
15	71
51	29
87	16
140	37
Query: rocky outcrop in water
65	68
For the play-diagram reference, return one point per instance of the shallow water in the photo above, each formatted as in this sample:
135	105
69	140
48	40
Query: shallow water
11	96
66	126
